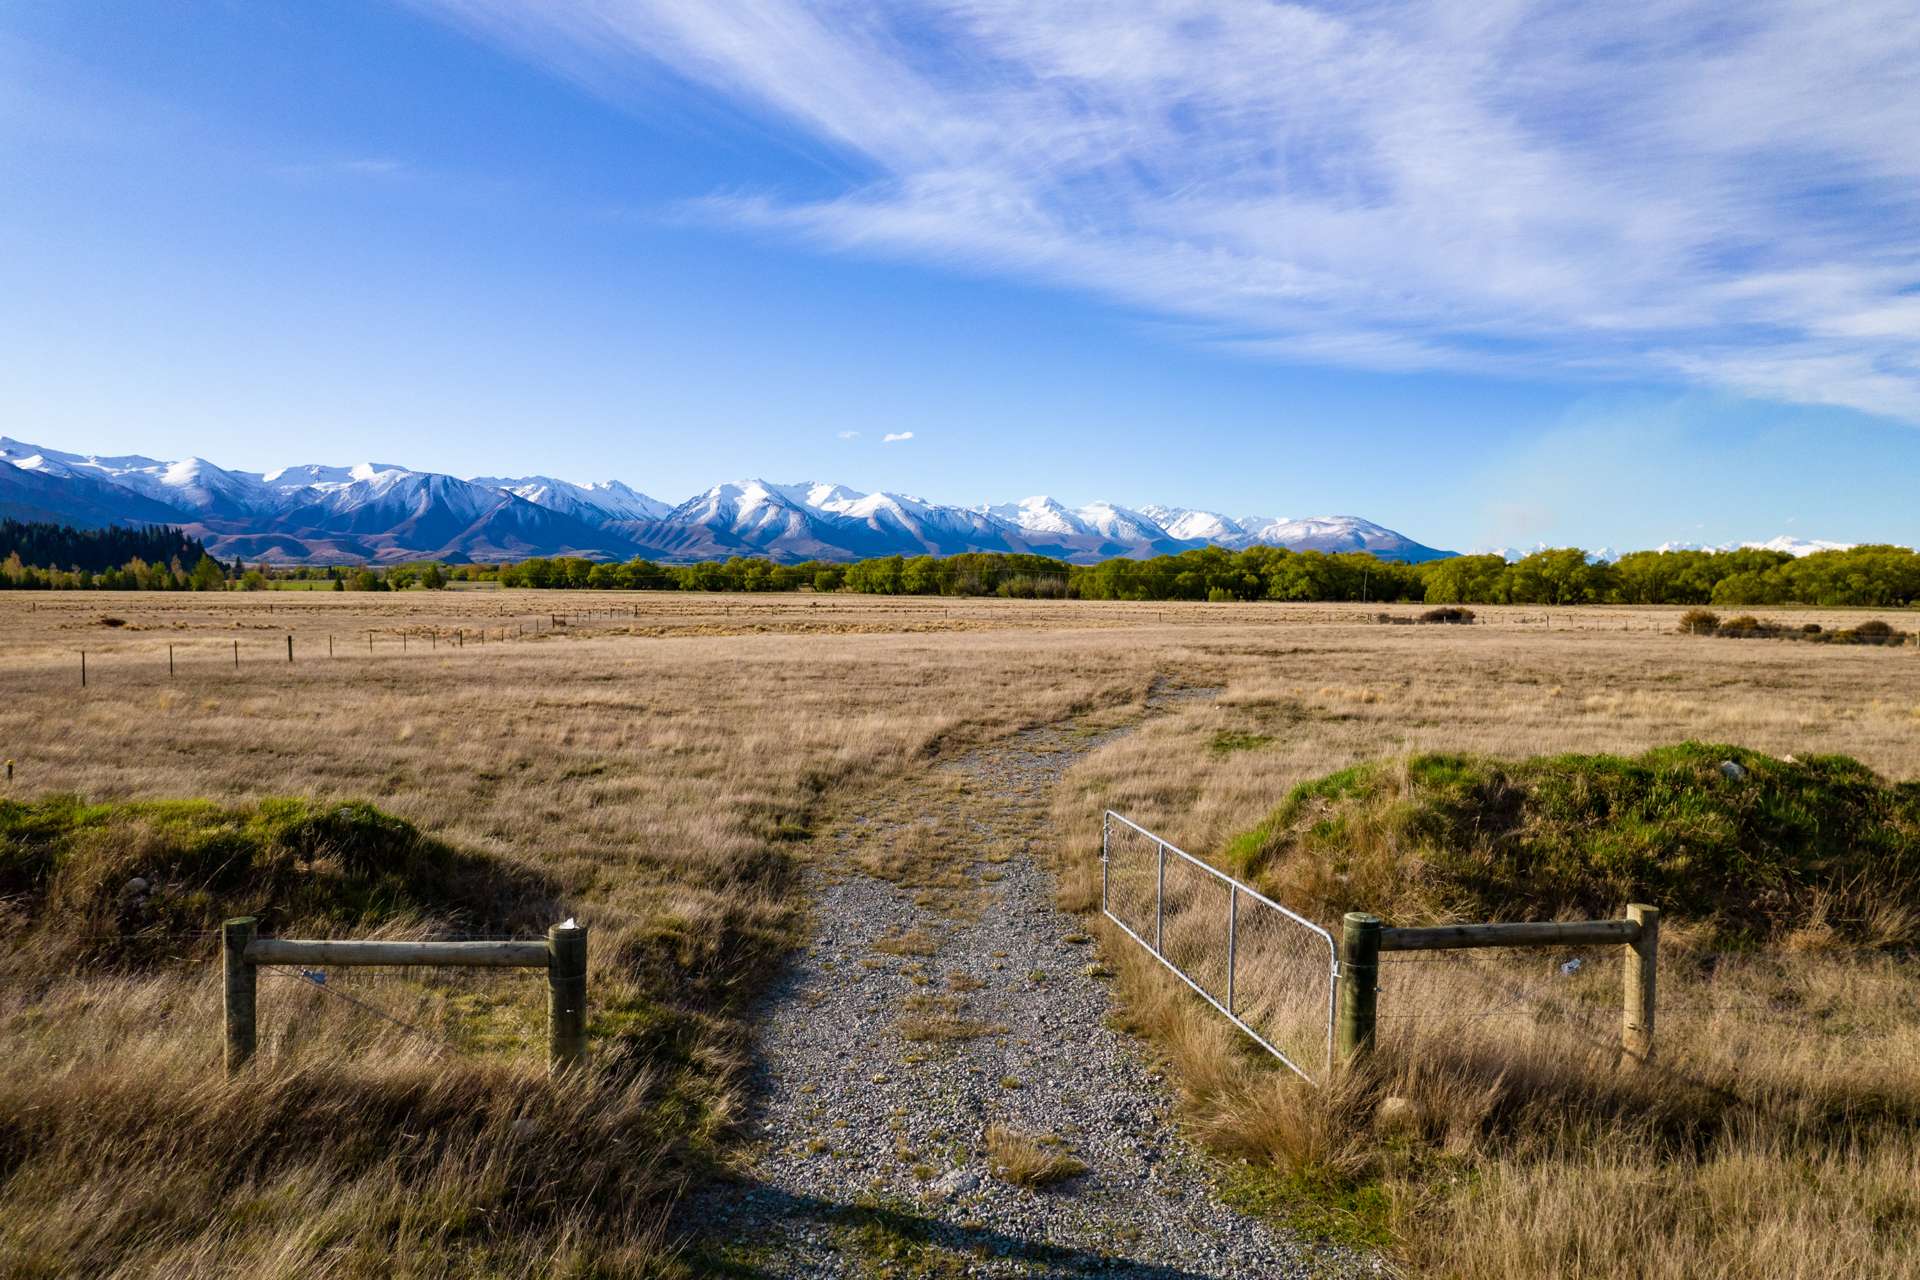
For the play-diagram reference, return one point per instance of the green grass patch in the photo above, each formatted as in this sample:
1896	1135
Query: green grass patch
1228	741
121	883
1757	849
1314	1202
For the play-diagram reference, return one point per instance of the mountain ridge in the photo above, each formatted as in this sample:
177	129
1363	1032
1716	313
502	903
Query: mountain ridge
382	513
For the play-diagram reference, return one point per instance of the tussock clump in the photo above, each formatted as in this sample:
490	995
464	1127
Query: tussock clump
935	1019
140	1163
912	942
1025	1160
1699	622
1465	837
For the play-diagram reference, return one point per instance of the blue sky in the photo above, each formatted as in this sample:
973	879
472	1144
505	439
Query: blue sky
1491	274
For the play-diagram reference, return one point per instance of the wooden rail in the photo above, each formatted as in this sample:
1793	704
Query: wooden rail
531	954
563	955
1452	937
1364	937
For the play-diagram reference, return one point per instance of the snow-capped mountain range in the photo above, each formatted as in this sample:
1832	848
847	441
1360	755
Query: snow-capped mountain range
380	512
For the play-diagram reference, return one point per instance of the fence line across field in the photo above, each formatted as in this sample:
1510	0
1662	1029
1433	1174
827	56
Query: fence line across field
1270	970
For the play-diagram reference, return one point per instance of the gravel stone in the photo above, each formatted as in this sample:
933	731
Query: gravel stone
850	1116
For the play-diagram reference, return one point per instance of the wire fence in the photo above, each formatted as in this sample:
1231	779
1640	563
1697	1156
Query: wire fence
1751	1028
1269	970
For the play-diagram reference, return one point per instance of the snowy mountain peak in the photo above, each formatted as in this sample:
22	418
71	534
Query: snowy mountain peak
316	475
1041	514
1187	525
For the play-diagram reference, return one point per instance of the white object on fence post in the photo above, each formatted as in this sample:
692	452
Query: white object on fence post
566	996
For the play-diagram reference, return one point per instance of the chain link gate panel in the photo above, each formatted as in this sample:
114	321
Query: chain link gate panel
1269	970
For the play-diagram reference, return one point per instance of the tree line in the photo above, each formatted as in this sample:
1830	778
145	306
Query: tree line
1870	576
46	555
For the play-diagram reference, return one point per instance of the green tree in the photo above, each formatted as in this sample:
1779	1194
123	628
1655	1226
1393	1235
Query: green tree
208	575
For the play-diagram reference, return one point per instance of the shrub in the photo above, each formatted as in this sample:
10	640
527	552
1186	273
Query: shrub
1745	626
1466	837
1449	614
1699	622
1874	631
1811	629
106	884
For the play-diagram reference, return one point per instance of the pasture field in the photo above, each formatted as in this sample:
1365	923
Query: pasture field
656	765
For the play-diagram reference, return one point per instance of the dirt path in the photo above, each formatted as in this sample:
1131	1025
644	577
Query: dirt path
943	993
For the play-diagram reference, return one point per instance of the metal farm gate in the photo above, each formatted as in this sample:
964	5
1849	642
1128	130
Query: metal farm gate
1270	970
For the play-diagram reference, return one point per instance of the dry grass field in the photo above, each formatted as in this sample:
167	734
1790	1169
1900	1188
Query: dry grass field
655	763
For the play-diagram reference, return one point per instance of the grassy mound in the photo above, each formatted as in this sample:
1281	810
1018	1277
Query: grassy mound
128	884
1758	850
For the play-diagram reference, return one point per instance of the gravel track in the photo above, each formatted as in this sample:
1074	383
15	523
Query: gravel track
932	916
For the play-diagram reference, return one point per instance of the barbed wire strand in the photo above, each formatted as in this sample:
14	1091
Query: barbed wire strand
439	1044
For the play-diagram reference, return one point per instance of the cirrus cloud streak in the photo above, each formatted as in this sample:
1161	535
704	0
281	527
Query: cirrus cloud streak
1670	190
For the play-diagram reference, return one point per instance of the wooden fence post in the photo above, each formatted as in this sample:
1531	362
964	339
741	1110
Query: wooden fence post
83	668
289	648
1637	1011
235	936
1359	984
566	996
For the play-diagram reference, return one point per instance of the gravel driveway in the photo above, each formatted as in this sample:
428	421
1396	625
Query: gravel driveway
942	993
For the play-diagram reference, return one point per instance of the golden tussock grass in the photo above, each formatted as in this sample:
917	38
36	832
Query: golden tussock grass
1027	1160
661	773
659	786
1776	1134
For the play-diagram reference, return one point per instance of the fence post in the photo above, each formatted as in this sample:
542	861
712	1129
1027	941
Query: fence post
1637	1011
289	648
1160	896
1233	938
1106	839
235	935
566	996
1359	984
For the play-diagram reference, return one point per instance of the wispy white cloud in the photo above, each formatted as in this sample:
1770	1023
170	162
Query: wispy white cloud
849	435
352	167
1670	190
894	437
